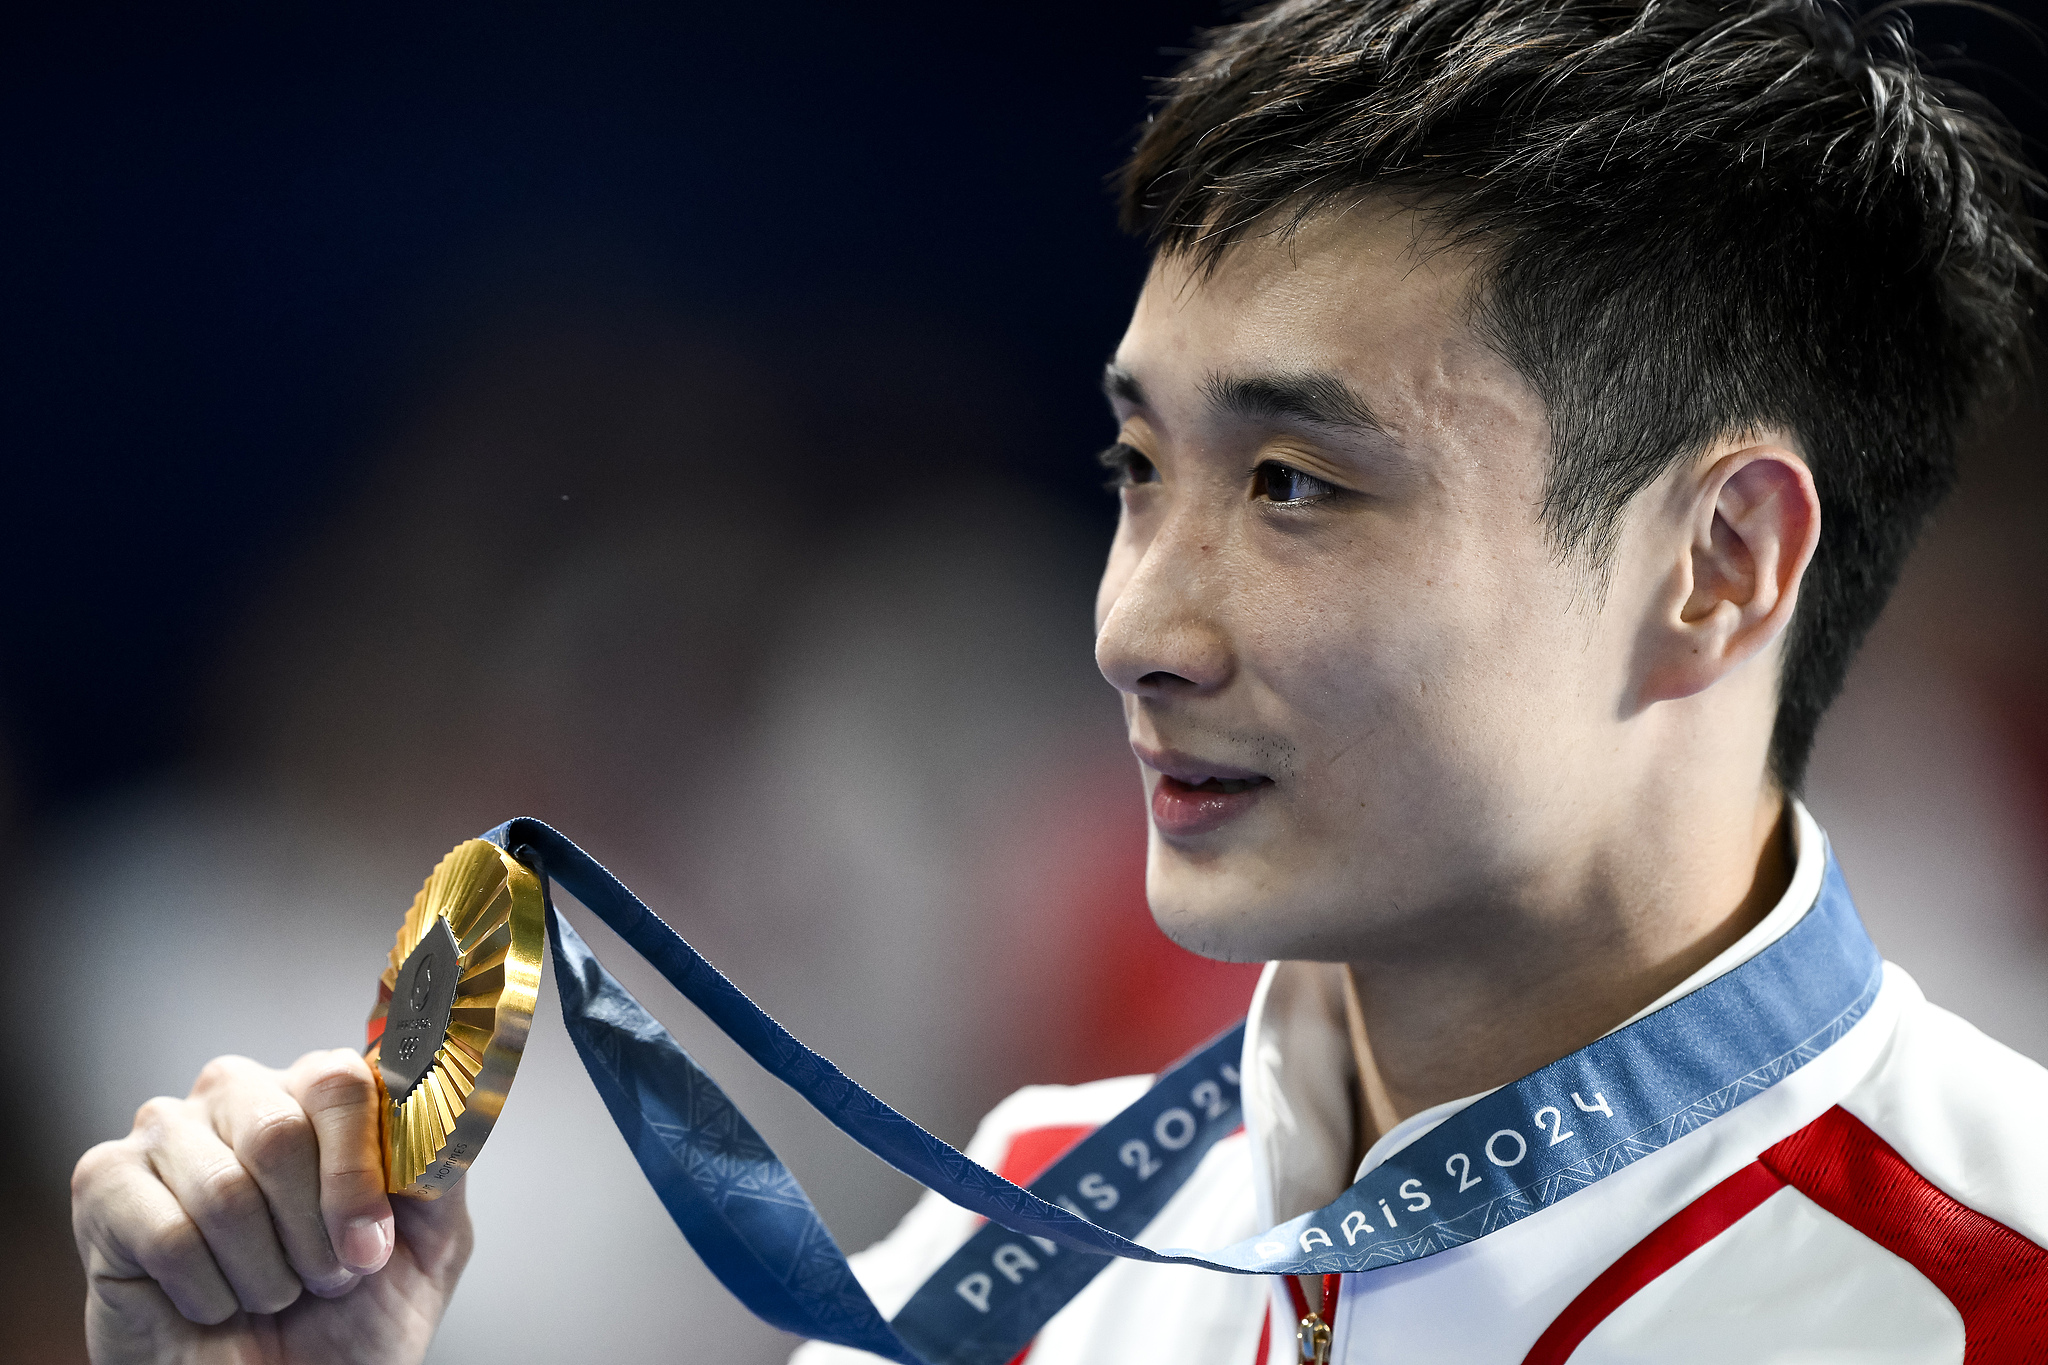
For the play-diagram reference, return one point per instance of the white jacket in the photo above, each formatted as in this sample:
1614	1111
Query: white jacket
1887	1202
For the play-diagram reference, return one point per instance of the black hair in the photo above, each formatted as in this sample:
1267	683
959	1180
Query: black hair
1697	219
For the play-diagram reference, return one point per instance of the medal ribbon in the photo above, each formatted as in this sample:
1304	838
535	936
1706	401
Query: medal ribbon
1505	1156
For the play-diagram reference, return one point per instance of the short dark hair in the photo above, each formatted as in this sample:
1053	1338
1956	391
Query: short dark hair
1696	218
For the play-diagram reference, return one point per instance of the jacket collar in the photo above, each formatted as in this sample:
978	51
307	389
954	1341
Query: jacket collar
1298	1063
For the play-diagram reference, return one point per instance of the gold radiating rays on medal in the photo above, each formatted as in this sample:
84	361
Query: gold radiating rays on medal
493	906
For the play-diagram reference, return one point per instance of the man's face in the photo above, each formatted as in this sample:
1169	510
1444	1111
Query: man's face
1368	698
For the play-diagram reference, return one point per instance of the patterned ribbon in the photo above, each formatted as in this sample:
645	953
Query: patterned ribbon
1500	1159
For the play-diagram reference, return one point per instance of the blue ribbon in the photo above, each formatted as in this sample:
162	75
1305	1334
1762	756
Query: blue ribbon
1510	1154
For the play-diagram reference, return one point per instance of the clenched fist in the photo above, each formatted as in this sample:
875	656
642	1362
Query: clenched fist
247	1222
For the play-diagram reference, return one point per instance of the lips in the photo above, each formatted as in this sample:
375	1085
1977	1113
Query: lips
1194	796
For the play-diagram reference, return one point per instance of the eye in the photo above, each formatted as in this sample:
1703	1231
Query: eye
1281	483
1127	466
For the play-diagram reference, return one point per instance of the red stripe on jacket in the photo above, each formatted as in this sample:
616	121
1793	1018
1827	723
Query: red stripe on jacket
1997	1279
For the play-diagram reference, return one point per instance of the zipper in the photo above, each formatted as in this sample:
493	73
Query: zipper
1312	1336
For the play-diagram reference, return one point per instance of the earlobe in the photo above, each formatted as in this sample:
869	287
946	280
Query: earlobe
1752	526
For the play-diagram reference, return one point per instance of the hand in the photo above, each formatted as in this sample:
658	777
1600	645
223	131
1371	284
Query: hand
203	1230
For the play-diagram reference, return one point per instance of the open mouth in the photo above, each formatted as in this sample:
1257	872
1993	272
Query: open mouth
1227	786
1195	795
1189	803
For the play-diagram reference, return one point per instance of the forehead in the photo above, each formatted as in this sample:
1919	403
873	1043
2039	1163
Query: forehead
1367	294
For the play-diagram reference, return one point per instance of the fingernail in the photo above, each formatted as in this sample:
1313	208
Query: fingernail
365	1243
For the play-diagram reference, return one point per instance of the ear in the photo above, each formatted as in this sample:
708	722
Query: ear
1751	525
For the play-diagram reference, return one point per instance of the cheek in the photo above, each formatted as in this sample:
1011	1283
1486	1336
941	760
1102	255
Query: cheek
1353	627
1411	690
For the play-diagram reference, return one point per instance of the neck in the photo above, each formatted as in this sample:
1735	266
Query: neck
1519	989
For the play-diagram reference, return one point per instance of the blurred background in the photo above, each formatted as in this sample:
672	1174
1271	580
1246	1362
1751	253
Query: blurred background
676	422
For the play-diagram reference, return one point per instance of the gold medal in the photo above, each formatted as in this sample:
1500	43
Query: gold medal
453	1009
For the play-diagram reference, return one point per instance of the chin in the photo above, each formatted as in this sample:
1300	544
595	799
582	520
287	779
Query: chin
1221	939
1212	913
1244	909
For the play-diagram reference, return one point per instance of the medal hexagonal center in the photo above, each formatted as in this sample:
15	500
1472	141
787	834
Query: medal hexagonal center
421	1001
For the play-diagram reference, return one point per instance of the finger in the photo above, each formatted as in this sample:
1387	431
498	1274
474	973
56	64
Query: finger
131	1229
222	1198
270	1134
340	1098
134	1320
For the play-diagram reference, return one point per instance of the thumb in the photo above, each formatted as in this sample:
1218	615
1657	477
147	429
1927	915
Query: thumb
341	1098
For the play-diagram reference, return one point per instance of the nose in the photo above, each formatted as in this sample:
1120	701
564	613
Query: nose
1161	636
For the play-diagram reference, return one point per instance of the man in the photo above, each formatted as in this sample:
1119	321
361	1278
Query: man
1526	414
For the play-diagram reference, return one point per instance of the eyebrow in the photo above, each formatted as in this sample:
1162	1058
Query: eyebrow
1118	382
1317	398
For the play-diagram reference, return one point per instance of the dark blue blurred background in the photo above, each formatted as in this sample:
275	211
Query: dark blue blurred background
243	236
